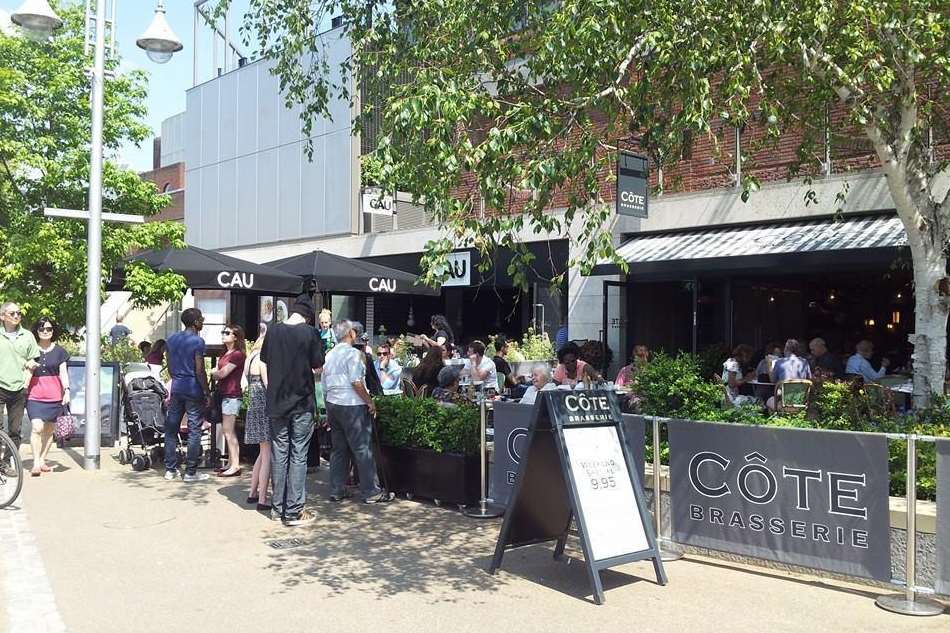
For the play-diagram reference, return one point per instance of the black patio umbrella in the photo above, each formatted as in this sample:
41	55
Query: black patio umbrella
335	273
204	270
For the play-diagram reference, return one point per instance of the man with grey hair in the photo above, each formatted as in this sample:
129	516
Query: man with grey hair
350	412
18	354
540	381
823	362
860	363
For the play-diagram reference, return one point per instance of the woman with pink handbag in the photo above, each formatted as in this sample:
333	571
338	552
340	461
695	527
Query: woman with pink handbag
48	392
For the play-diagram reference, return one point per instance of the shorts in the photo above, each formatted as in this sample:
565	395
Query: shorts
230	406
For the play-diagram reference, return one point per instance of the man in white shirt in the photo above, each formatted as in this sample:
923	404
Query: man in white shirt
860	363
350	411
481	369
540	381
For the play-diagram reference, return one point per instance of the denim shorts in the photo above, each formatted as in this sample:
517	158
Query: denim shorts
230	406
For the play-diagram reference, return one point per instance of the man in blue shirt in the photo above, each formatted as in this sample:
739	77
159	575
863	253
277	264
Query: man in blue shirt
860	363
388	368
189	394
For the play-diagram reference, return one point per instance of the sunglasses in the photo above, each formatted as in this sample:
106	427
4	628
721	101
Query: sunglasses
45	329
225	332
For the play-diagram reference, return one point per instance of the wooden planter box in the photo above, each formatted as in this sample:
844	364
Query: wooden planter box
444	477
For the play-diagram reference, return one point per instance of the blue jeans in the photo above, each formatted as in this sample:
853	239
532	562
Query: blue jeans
352	427
290	443
179	405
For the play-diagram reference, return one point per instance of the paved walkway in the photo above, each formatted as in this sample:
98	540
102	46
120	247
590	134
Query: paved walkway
128	551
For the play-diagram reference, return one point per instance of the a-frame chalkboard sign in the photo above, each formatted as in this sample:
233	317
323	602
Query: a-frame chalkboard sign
577	465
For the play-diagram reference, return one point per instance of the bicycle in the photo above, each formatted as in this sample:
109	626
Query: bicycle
11	471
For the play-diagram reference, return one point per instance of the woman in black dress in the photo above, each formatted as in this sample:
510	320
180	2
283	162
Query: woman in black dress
442	333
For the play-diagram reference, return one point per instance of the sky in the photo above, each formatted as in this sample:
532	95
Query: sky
167	82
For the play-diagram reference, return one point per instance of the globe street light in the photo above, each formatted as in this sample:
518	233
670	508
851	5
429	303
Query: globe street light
158	40
37	19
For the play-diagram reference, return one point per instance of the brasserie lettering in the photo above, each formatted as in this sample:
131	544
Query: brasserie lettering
817	532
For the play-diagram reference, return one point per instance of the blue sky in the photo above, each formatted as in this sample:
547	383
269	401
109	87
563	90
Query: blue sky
167	82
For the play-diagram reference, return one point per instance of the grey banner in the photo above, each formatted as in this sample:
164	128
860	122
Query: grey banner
942	583
803	497
511	421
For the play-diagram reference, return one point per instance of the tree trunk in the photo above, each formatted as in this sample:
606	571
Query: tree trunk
930	324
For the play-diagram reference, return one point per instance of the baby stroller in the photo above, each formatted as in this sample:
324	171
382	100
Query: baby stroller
143	405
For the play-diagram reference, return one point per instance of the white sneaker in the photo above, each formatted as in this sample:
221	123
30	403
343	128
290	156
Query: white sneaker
171	475
196	477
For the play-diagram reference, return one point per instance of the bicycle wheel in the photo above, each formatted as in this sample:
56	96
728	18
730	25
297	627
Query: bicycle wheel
11	471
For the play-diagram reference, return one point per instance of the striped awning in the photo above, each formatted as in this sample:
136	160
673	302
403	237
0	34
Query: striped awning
803	236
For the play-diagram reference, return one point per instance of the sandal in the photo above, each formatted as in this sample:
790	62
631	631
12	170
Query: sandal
252	500
224	473
35	472
46	469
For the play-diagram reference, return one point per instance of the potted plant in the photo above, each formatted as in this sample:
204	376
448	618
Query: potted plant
534	350
429	450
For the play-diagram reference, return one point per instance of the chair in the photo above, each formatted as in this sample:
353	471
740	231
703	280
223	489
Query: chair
407	386
422	392
792	396
726	400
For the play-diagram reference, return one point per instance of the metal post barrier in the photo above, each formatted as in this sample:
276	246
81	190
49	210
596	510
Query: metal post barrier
482	511
666	555
909	603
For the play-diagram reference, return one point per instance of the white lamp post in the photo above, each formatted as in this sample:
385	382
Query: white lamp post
38	21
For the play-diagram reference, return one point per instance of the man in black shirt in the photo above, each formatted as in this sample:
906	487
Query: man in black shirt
291	351
501	365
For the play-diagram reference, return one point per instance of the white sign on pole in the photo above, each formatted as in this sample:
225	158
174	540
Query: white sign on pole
377	203
460	269
604	491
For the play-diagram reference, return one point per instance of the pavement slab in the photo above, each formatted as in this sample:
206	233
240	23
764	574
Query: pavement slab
121	551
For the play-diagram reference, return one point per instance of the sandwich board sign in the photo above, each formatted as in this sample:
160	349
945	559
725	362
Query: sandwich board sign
578	466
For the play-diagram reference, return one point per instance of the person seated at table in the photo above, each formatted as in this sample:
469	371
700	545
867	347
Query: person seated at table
590	379
480	369
501	365
823	362
860	363
638	358
388	368
570	367
427	372
448	390
773	352
734	376
790	367
540	381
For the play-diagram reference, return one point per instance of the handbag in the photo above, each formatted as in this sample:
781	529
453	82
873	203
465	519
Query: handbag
65	426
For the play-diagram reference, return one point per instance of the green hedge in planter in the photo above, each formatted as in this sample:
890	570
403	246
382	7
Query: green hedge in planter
424	423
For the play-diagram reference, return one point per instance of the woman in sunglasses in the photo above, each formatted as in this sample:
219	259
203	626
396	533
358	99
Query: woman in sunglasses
48	392
228	376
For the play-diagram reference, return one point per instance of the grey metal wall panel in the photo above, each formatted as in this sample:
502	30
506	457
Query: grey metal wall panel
172	134
268	108
288	195
268	220
193	208
314	191
228	121
247	118
288	124
228	229
210	210
210	123
192	129
337	198
246	197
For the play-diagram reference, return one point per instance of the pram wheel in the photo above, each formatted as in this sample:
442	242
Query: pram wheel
139	463
122	457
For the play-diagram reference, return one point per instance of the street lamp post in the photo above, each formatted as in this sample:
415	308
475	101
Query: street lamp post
38	21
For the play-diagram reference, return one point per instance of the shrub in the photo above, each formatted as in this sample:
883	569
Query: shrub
424	423
534	346
671	386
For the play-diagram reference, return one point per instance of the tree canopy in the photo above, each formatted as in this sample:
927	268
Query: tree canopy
45	129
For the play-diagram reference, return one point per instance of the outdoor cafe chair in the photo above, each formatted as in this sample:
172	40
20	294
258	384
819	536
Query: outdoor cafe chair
408	387
880	395
792	396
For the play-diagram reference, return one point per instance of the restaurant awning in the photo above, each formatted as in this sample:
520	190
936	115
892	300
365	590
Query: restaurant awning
335	273
820	242
211	270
